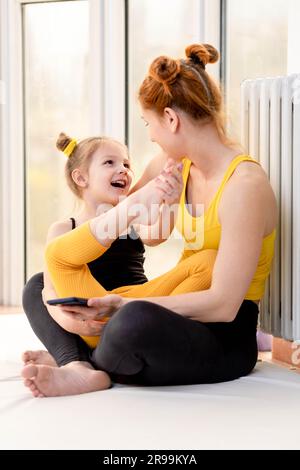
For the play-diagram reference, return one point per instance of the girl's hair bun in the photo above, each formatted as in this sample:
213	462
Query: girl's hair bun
164	70
202	54
63	141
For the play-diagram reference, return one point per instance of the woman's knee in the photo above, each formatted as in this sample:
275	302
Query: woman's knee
32	291
133	321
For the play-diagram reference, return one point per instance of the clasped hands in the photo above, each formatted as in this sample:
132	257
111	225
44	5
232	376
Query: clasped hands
166	189
170	182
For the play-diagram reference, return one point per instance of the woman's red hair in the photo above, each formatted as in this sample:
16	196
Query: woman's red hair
185	84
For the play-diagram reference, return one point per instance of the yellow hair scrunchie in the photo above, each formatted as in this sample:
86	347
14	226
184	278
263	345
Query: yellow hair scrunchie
70	147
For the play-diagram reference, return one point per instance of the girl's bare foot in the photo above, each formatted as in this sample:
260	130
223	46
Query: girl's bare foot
73	379
38	357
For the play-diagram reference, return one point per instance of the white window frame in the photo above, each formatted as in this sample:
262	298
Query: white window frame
107	112
107	73
212	25
12	238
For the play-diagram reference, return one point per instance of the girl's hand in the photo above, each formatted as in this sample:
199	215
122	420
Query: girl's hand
171	182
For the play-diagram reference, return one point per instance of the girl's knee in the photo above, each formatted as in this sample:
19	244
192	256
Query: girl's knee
203	261
208	256
32	289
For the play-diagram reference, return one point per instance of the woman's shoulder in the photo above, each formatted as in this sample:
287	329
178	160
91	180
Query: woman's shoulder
252	171
59	228
251	177
250	167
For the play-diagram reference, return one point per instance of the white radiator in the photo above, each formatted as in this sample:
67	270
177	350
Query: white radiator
271	134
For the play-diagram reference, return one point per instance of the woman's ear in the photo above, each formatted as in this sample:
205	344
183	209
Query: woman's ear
172	119
79	178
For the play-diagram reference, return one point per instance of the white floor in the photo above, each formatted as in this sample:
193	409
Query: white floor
261	411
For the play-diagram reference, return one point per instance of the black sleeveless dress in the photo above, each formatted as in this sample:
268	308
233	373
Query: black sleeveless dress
122	264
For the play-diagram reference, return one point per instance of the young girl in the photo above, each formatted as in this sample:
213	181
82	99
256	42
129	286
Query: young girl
99	172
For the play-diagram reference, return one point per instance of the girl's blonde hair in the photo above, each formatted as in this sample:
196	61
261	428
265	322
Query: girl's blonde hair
81	155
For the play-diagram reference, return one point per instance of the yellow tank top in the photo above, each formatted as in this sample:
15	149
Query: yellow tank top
203	231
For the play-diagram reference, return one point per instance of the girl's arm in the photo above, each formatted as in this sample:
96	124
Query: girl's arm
153	235
55	230
68	254
67	321
160	232
93	238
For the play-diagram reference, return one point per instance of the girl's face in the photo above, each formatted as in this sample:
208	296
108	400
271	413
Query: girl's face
109	174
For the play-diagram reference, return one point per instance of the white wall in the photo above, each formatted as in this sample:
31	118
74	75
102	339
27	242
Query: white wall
294	37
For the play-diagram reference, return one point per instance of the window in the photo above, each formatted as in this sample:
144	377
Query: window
262	40
45	51
56	65
156	28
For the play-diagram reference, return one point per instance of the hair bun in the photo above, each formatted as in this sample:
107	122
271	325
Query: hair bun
63	141
164	70
202	54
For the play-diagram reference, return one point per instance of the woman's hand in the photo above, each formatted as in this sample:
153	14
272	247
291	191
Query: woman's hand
90	321
99	308
75	324
72	323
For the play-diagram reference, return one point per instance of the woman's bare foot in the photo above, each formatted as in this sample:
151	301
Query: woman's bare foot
38	357
73	379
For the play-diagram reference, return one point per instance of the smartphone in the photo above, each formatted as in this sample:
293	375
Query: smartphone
69	301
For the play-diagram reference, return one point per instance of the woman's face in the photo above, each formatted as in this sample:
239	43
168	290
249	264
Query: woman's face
109	174
161	131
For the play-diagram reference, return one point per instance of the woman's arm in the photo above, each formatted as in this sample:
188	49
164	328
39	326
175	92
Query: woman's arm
243	224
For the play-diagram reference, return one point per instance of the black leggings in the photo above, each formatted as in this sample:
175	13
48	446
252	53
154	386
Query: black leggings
146	344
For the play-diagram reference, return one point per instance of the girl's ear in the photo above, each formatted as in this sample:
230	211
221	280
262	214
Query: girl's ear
172	119
79	178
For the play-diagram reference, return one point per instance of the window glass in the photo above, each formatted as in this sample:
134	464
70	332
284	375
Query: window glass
56	59
262	40
155	28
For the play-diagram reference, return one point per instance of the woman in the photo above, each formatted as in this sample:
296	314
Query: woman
210	335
